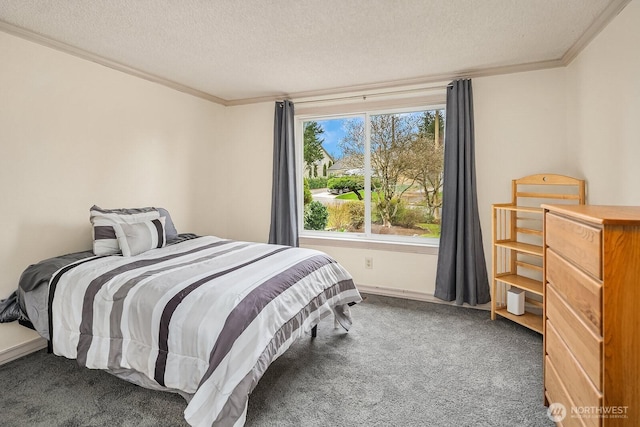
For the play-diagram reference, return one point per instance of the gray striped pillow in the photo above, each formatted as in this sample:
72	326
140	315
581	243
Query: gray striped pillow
140	237
105	241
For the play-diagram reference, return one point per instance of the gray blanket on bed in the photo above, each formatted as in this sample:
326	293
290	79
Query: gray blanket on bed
15	307
30	301
10	309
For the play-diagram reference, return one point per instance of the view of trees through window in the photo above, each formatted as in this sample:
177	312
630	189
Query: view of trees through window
390	184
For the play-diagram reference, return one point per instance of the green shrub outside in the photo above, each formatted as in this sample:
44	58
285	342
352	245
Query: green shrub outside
356	214
339	218
405	215
319	182
307	193
350	182
409	217
348	216
316	216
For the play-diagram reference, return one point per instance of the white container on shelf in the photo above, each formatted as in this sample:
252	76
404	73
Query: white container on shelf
515	301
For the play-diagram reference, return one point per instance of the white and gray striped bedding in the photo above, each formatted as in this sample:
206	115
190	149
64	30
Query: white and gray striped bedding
204	317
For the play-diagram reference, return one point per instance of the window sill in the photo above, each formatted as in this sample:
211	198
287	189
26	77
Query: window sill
377	245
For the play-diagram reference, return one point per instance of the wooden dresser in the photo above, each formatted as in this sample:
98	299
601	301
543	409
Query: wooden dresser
592	313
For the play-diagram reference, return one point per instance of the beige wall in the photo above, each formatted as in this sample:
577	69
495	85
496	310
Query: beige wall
520	129
74	133
603	132
235	195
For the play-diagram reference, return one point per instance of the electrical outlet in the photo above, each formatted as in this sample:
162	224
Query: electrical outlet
368	262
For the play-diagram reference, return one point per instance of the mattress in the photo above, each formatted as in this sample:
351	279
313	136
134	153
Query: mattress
203	317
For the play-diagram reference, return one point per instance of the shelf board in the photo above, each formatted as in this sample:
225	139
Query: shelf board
520	247
510	207
534	303
529	320
533	232
531	285
529	266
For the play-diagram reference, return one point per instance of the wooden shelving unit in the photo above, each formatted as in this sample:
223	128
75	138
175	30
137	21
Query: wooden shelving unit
517	232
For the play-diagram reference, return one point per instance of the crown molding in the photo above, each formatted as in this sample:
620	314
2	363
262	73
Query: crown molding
601	21
380	86
390	86
610	12
83	54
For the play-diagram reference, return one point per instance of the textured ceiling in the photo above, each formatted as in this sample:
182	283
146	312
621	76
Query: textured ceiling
242	50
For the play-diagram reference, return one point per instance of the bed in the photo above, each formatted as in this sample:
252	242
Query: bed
197	315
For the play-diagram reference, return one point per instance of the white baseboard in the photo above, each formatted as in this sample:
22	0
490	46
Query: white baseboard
413	295
23	349
36	344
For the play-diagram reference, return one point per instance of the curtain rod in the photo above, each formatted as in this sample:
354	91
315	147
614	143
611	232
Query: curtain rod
373	95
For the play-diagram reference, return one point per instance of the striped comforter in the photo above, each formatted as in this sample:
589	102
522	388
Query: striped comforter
204	317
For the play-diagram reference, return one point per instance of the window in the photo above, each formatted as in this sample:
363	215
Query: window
375	175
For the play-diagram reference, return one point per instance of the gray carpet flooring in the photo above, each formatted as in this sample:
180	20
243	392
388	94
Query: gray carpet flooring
404	363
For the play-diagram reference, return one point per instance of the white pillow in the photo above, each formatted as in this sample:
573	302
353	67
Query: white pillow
140	237
103	220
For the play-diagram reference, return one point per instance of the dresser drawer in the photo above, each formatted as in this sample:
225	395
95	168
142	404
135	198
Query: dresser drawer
580	243
556	393
574	379
583	343
582	291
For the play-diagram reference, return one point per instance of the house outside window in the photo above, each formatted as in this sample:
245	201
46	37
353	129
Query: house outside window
383	176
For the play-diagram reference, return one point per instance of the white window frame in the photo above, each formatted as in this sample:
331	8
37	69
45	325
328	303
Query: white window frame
367	238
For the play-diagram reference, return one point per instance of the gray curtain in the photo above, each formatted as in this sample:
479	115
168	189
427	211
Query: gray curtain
462	270
284	211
